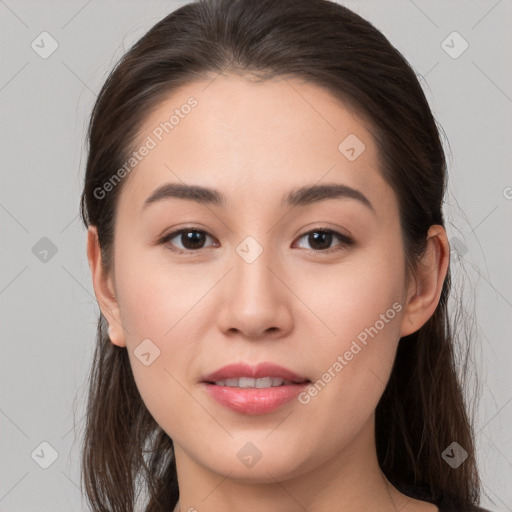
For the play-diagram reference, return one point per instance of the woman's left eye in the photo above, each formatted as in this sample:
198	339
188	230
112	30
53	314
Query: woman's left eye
323	237
193	239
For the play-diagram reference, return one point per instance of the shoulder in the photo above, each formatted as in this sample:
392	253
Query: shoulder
444	504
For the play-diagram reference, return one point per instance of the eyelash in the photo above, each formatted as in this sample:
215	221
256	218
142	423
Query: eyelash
345	241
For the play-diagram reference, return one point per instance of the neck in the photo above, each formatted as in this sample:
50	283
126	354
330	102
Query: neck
348	480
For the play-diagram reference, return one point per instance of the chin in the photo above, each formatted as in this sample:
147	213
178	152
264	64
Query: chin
248	464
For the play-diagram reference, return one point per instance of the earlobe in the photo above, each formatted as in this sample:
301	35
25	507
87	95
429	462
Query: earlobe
104	289
423	296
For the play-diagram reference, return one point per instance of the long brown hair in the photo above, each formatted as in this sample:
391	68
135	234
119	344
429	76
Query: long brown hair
422	410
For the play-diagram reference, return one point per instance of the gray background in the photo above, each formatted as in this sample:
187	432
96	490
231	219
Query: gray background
48	307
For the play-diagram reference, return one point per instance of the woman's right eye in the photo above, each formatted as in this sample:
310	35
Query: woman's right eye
191	239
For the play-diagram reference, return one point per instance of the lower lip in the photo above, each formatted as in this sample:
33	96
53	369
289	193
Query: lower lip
254	401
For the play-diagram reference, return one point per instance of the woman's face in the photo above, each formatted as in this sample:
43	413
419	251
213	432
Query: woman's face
262	284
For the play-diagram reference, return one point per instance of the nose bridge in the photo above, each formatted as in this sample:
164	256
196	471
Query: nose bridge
253	262
256	250
256	299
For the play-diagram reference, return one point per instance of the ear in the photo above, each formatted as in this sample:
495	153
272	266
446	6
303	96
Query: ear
104	289
425	291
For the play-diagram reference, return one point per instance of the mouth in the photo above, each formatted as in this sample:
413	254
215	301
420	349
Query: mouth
253	390
260	383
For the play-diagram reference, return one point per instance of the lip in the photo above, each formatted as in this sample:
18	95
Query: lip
253	401
264	369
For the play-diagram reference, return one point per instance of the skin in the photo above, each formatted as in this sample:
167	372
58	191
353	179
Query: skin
255	142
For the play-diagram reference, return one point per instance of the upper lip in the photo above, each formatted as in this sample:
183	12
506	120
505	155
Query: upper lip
264	369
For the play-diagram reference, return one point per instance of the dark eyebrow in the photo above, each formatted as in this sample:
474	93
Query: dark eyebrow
302	196
312	194
196	193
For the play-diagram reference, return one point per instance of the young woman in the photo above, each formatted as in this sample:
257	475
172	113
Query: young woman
263	197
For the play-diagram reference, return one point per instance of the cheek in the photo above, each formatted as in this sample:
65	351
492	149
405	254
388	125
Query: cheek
351	296
155	294
161	303
362	305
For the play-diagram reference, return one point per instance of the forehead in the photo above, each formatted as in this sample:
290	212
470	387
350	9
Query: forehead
245	138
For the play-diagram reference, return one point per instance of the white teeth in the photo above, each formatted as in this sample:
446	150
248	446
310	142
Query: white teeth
266	382
244	382
277	381
249	382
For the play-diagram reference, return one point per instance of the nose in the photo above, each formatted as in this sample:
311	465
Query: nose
257	301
